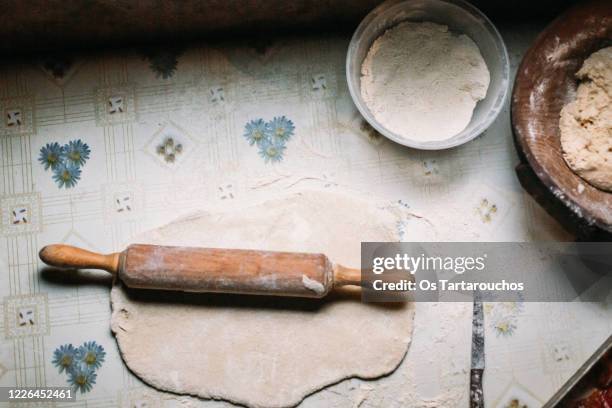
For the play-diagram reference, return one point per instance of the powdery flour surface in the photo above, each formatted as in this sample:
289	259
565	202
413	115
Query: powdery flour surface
264	351
423	82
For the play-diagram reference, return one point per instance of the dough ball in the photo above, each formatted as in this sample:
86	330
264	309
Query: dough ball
586	123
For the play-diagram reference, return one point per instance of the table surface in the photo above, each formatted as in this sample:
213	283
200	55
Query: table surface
126	105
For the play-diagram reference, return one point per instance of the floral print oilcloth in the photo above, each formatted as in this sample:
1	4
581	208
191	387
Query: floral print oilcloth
80	364
65	161
270	137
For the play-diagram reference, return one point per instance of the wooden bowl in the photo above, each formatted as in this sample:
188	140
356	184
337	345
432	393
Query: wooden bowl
544	83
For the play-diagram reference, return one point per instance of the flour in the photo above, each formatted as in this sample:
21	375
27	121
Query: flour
423	82
586	123
313	285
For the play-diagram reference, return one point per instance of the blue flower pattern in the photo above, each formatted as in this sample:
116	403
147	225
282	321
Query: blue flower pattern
272	150
91	354
82	379
65	161
270	137
80	364
64	357
76	152
281	128
256	131
51	155
503	317
66	175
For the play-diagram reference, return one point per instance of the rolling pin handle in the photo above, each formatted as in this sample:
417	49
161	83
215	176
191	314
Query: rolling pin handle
344	276
66	256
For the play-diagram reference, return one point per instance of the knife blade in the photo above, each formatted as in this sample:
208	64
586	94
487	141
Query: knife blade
478	355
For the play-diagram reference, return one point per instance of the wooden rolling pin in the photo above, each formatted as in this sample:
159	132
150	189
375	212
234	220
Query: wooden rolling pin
211	270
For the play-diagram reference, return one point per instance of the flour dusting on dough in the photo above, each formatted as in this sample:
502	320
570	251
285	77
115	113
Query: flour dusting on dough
316	287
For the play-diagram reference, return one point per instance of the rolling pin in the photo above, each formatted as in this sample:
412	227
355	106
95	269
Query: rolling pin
188	269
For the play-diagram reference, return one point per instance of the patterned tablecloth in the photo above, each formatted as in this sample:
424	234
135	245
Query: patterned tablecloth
162	133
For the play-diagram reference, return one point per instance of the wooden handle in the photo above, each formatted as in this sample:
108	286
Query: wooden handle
344	276
66	256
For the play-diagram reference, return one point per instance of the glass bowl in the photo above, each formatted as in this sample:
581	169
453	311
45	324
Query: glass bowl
460	17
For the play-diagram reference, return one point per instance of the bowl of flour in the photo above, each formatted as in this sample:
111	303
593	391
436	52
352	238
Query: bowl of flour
428	74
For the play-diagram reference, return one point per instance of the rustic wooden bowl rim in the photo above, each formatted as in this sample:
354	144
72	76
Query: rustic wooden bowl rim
544	83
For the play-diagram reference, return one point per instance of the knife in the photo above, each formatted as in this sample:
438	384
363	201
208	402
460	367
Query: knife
478	355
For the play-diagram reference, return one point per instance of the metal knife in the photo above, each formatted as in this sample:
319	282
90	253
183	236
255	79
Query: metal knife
478	355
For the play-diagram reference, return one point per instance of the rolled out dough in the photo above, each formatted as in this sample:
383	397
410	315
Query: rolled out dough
265	351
